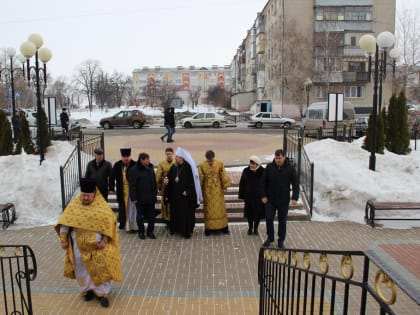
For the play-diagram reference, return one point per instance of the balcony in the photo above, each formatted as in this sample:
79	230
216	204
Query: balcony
353	76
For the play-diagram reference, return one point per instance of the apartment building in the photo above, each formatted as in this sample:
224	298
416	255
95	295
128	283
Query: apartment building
189	83
296	41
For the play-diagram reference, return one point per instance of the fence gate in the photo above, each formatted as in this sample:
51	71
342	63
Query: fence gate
18	269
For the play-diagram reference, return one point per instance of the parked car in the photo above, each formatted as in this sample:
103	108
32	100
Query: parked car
361	126
267	119
209	119
316	116
124	118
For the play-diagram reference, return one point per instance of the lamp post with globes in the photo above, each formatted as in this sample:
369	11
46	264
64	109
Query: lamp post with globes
307	85
377	46
30	48
11	52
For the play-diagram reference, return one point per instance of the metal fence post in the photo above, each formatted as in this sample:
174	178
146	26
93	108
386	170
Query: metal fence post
79	158
285	141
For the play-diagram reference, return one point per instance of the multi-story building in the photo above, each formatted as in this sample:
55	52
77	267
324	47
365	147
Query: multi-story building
296	41
189	83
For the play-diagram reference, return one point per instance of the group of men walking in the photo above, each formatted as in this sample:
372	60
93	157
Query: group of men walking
88	227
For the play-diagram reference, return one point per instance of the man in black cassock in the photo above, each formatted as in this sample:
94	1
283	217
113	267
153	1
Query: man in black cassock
181	194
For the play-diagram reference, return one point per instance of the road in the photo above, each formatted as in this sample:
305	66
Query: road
233	145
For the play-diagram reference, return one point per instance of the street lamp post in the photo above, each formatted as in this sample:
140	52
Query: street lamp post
371	45
28	49
307	85
11	52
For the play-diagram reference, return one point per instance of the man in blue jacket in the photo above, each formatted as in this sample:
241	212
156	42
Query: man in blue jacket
276	181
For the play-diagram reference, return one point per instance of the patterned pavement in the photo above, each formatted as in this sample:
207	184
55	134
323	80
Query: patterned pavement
202	275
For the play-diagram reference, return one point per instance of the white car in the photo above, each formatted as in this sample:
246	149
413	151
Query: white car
268	119
209	119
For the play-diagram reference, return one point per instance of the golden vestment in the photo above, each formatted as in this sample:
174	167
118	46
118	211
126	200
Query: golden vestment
214	180
161	172
87	220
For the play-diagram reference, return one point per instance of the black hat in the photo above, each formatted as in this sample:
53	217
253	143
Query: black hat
125	151
87	185
99	151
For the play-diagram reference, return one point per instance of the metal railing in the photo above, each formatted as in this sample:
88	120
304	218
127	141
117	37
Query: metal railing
293	143
298	281
18	269
72	170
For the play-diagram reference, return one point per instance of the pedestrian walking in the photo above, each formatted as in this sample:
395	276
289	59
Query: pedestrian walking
16	126
119	183
143	192
100	170
88	234
250	192
277	178
214	182
64	119
169	123
183	193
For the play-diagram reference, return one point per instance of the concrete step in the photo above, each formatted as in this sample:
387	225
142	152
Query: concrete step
234	210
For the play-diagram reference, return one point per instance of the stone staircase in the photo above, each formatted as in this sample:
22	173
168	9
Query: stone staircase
234	206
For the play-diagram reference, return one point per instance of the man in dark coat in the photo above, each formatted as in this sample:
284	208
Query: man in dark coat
250	192
181	195
100	170
16	126
275	187
119	180
169	123
64	119
143	192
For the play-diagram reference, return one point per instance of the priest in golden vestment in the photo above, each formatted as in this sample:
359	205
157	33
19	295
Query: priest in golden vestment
214	182
88	232
162	172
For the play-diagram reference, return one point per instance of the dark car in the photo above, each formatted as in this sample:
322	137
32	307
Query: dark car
124	118
361	126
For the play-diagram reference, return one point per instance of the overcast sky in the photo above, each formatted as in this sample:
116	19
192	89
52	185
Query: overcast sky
128	34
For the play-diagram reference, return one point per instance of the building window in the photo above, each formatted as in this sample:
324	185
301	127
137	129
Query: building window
353	91
321	91
358	13
353	41
356	66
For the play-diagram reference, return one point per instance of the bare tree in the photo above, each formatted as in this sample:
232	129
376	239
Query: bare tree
60	89
408	40
132	94
84	79
120	83
103	89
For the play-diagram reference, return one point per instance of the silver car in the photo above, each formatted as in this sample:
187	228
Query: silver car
267	119
209	119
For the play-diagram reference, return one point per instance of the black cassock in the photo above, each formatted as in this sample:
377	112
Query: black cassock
180	194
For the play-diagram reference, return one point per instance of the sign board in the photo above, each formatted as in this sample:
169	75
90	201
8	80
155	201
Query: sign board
50	110
335	106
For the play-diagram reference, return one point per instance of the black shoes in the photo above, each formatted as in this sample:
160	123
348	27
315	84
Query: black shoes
169	141
151	236
267	243
256	232
89	296
141	236
281	245
104	301
249	232
161	139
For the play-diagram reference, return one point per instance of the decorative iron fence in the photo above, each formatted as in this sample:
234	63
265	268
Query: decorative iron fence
72	170
293	143
18	269
302	281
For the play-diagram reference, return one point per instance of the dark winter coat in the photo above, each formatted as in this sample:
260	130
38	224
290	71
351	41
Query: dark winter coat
182	206
250	192
276	181
142	184
116	179
169	118
101	174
